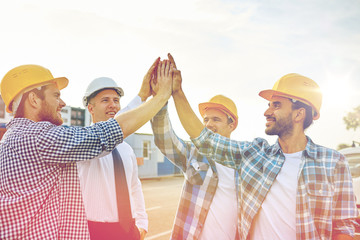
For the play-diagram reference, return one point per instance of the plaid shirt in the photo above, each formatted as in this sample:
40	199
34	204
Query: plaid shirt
40	196
325	202
200	174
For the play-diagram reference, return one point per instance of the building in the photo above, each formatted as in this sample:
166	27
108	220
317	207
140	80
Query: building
4	116
73	116
151	162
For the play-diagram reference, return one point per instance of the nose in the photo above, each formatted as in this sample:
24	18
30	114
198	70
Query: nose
112	104
62	103
268	112
209	124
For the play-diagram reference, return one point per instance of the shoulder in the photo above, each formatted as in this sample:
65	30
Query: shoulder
326	154
125	148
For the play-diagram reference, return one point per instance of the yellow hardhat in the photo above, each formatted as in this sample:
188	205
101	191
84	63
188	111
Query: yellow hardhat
222	103
24	78
297	87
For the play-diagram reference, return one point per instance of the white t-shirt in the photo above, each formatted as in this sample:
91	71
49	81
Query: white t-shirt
221	221
276	218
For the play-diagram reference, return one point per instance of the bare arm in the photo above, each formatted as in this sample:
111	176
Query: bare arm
132	120
191	123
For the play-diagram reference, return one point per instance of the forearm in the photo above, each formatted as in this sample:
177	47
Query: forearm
191	123
132	120
167	141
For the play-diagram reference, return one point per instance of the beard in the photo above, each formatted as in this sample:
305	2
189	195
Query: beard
282	127
49	114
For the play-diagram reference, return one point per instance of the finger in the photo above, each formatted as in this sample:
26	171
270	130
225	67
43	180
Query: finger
171	59
159	69
167	68
163	65
153	67
172	70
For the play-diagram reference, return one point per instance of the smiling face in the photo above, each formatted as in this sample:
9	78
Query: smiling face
279	119
104	105
51	105
217	121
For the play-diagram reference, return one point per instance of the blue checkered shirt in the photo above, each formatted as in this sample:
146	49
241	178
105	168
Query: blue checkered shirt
40	196
325	201
200	174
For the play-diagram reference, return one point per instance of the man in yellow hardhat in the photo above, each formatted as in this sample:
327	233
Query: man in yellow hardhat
207	207
40	196
294	189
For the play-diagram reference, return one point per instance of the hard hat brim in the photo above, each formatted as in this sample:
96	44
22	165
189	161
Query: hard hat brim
268	94
60	83
207	105
118	90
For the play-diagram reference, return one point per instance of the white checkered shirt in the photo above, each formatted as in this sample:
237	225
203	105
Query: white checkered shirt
40	196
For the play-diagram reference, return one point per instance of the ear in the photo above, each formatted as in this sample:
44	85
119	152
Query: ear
34	101
90	108
300	115
232	126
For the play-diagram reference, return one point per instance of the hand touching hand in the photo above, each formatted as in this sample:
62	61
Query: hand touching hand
150	76
163	84
177	80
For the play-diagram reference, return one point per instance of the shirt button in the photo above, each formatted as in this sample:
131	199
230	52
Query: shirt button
268	182
320	191
279	163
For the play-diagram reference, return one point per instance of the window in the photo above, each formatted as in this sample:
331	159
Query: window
146	149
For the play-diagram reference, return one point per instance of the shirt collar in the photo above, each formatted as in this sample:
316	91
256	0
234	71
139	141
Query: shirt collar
18	121
310	149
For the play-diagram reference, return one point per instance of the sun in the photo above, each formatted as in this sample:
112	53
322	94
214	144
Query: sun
338	91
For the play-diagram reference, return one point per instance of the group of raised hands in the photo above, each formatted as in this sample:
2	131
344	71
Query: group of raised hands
162	78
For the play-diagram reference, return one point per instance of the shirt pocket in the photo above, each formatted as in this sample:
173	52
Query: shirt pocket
196	172
320	198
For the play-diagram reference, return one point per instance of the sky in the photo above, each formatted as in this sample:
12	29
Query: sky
231	47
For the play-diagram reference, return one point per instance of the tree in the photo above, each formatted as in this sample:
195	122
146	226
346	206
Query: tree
352	119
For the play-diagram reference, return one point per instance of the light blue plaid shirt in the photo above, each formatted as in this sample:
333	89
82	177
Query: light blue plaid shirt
325	201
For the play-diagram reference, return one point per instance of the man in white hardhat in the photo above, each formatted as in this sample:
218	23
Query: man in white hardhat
293	189
40	195
104	202
207	205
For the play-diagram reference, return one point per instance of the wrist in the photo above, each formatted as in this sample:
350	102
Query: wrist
142	96
178	93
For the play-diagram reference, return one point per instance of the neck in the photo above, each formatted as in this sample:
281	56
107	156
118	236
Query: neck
294	143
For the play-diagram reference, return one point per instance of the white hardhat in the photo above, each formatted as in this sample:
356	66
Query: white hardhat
99	84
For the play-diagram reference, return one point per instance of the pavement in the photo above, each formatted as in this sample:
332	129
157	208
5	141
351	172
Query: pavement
161	200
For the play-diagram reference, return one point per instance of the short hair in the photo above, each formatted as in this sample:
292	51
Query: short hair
20	112
229	119
98	91
308	112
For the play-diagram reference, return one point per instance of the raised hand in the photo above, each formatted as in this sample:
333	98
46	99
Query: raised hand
177	80
145	90
164	78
